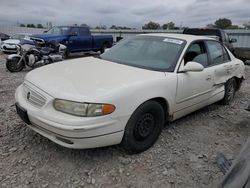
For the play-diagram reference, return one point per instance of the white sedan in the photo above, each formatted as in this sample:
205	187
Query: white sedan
9	45
127	94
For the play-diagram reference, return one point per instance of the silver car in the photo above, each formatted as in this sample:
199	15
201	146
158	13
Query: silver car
9	46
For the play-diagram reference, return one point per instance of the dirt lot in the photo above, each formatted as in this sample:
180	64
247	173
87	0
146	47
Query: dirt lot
184	156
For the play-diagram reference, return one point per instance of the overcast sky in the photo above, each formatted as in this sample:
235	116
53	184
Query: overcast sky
132	13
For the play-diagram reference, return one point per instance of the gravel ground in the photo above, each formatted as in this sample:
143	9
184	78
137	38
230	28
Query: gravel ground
184	155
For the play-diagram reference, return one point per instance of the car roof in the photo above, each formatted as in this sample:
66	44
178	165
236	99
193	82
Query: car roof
188	38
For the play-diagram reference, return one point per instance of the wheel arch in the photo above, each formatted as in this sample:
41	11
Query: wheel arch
238	81
165	105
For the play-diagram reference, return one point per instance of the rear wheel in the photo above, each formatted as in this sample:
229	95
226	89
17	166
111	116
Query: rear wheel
230	89
104	47
143	127
13	65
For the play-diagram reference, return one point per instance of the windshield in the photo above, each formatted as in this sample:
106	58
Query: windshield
18	36
58	30
149	52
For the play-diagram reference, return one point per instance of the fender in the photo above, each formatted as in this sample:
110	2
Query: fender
12	56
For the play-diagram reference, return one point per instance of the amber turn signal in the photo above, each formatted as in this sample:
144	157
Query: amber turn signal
107	109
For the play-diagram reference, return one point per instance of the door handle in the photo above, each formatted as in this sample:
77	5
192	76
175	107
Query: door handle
209	77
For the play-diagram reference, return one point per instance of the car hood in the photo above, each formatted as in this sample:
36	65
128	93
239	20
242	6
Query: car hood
11	41
48	36
88	79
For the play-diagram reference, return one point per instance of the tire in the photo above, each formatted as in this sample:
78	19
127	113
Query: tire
104	47
230	89
11	64
65	54
143	127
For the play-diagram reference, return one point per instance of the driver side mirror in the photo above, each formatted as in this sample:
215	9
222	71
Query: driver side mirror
192	67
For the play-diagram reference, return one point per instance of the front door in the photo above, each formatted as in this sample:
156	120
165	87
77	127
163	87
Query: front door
194	88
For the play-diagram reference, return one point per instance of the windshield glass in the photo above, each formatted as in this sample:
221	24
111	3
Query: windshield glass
149	52
58	30
18	36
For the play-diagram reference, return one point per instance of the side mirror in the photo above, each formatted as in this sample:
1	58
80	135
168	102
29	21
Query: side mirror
45	31
233	40
192	67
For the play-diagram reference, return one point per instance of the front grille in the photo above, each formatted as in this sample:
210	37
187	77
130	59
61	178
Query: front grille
33	96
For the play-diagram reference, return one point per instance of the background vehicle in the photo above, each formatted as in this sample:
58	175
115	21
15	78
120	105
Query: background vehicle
77	39
9	45
241	53
221	34
3	37
29	55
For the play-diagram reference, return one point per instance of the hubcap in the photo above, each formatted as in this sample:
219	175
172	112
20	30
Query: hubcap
144	127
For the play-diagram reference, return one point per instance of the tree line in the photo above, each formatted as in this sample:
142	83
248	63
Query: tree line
221	23
32	25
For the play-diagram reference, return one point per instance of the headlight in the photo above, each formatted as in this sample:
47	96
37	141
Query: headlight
83	109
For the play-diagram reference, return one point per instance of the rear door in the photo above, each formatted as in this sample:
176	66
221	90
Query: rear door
85	38
80	39
74	39
221	64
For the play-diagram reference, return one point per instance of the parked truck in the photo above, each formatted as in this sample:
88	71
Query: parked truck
240	53
76	38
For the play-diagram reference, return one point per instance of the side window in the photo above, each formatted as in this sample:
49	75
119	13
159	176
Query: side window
217	53
84	31
197	53
75	31
195	48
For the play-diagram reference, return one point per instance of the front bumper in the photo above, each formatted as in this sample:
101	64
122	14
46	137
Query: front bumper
67	130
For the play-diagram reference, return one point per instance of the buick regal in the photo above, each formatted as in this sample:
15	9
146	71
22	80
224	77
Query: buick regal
127	94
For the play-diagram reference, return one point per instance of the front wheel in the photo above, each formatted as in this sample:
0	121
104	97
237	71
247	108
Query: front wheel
143	127
14	64
65	54
230	89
